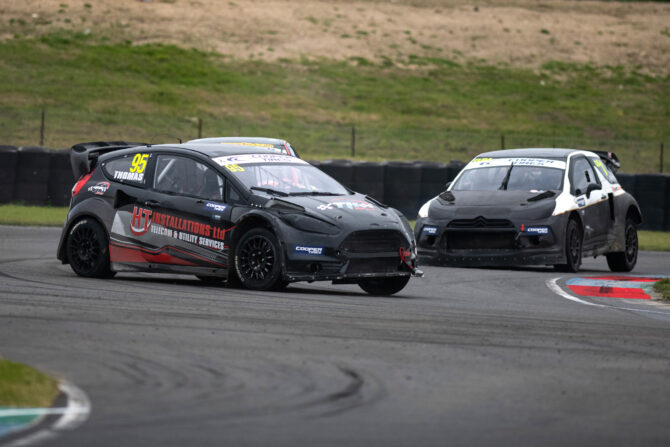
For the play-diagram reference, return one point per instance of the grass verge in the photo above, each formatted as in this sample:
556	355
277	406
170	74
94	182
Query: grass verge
654	240
32	215
23	386
663	287
419	108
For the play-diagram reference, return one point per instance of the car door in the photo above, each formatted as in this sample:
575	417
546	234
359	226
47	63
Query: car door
593	207
190	213
130	239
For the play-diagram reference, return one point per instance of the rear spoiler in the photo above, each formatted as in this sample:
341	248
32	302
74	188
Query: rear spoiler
610	159
83	156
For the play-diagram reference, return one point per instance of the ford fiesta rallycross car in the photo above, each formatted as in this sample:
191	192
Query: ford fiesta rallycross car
532	206
225	211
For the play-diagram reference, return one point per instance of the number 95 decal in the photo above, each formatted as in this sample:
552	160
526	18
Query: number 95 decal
139	163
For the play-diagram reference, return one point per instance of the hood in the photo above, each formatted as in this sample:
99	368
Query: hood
502	204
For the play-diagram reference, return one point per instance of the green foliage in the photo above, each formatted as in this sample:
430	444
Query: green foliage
663	287
654	240
32	215
427	108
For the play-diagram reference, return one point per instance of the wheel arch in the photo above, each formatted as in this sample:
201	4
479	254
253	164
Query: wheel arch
62	249
634	214
246	223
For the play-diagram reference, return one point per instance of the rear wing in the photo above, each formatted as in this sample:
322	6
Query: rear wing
83	156
610	159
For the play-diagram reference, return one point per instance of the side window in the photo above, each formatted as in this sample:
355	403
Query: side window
581	175
232	195
131	169
602	168
184	176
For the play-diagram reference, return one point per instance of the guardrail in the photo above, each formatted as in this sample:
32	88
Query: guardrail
41	176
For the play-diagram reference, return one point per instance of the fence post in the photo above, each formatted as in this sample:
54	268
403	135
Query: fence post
42	130
502	141
661	158
353	141
199	128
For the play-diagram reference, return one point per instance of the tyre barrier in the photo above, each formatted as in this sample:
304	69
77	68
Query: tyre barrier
402	187
8	160
368	178
39	176
32	175
61	178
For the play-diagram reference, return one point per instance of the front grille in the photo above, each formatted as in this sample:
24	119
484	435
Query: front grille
478	240
373	265
480	222
374	241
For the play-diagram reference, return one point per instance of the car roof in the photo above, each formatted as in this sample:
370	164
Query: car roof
559	154
256	140
206	149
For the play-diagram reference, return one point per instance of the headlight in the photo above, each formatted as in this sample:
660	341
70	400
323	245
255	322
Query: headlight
309	224
423	212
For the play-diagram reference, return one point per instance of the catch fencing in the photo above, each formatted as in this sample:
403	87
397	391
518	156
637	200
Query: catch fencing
41	176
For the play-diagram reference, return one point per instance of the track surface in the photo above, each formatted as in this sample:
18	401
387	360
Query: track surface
462	357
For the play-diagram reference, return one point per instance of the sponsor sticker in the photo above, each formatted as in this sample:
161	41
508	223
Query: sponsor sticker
492	162
429	230
99	189
245	159
537	230
216	207
581	201
354	205
307	250
133	176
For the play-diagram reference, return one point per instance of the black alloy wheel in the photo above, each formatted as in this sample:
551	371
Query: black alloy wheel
88	249
625	261
384	286
573	248
257	260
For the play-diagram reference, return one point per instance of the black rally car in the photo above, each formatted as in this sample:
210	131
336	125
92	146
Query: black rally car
532	206
224	211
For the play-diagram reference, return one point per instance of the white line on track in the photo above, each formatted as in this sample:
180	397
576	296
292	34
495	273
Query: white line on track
552	284
74	414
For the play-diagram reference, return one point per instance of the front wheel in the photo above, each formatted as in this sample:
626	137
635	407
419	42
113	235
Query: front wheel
384	286
88	249
625	261
257	260
573	248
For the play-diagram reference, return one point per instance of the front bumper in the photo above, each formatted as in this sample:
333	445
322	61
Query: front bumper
483	245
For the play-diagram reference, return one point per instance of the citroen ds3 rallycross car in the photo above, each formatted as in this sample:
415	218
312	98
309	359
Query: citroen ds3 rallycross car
259	219
532	206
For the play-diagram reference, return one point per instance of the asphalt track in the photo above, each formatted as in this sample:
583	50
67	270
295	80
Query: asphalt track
463	357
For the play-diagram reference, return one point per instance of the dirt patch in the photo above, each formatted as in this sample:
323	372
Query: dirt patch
519	33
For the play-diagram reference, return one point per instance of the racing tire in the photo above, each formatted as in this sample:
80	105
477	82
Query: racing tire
625	261
88	249
573	248
257	260
384	286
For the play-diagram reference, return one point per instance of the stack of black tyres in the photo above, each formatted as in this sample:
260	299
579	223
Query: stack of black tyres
666	226
61	178
627	182
402	187
8	161
434	178
340	170
32	175
650	191
368	178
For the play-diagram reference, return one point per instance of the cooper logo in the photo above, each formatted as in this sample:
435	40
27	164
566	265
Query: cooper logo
430	230
215	207
304	250
141	221
99	189
537	230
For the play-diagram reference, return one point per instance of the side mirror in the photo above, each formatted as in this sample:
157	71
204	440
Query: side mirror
592	187
448	184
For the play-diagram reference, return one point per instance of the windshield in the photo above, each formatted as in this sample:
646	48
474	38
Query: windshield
281	174
510	177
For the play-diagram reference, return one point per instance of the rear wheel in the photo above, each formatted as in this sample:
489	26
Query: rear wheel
625	261
573	248
257	260
384	286
88	249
